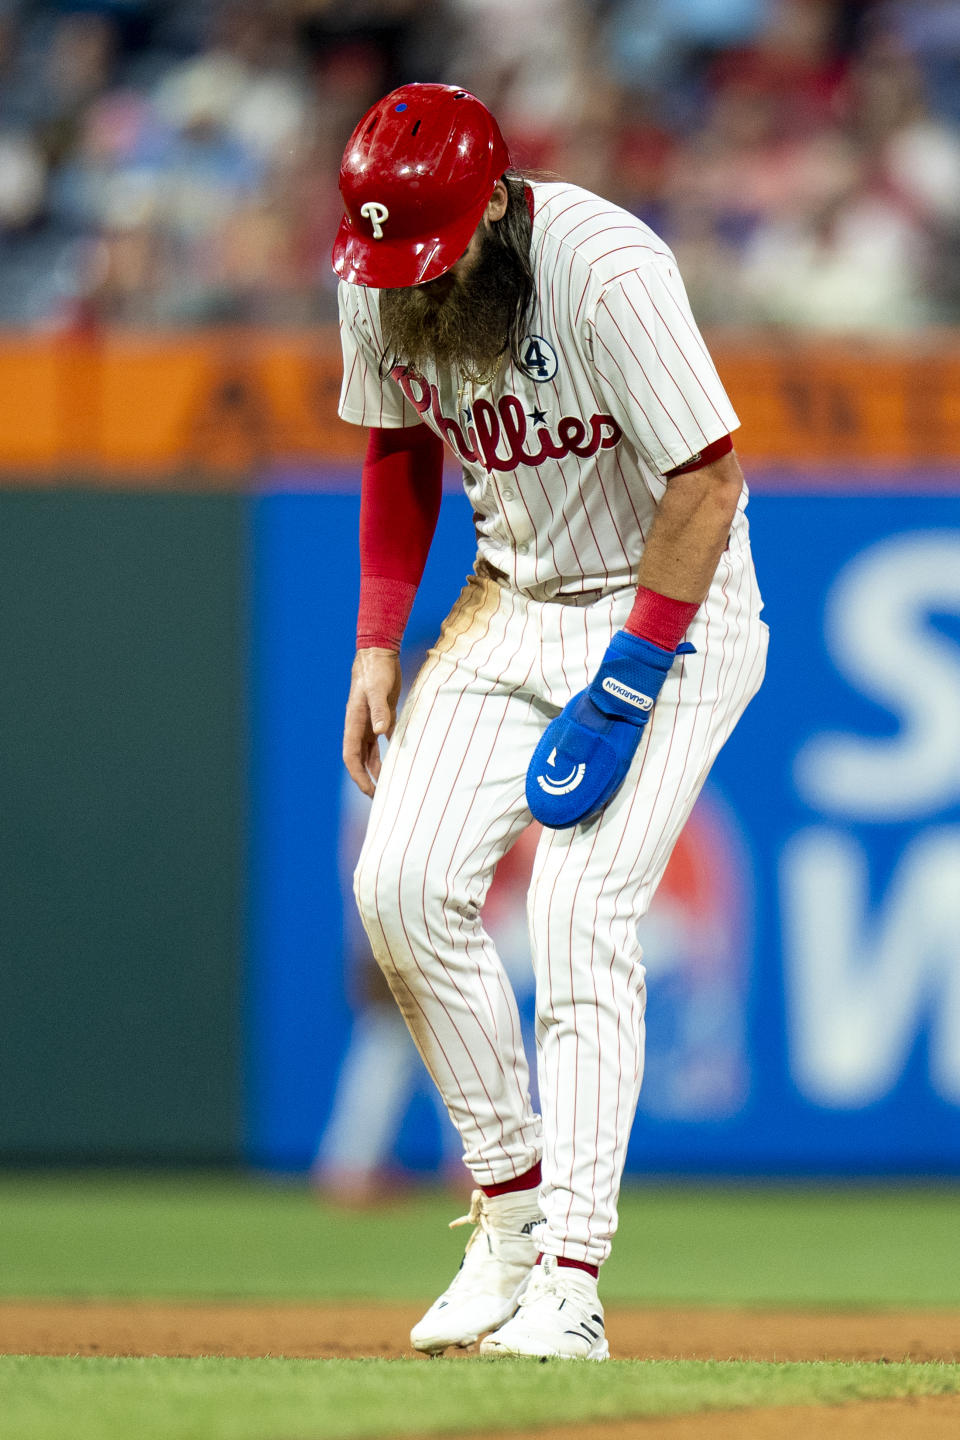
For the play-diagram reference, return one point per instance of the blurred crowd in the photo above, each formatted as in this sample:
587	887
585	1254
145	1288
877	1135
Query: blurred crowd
165	163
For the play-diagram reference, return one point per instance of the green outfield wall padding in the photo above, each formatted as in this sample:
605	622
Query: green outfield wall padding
122	825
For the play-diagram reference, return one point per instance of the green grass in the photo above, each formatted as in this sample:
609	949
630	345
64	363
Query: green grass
208	1237
197	1237
350	1399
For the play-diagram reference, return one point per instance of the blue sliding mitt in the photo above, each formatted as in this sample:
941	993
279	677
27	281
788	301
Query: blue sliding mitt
586	751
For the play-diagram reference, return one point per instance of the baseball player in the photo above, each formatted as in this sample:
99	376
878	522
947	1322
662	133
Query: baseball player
592	667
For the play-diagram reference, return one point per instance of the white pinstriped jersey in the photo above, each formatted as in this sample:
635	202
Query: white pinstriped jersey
564	455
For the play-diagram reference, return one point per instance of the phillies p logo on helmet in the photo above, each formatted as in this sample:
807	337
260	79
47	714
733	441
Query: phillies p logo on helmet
376	214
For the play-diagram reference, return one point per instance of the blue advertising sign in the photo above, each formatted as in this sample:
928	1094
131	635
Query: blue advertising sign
846	778
803	950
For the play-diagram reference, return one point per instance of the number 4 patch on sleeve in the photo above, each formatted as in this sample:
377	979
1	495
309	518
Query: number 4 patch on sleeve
539	358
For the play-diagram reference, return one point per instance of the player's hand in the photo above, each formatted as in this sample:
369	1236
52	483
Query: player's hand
585	753
371	712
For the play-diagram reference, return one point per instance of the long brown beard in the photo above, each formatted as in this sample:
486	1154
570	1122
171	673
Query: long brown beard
456	321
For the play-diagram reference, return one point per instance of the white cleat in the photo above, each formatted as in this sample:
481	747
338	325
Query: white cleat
496	1266
560	1316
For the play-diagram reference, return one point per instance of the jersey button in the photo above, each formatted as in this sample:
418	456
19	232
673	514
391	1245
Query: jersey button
523	549
509	494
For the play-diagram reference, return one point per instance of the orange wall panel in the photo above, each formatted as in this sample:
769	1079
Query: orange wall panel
217	408
31	430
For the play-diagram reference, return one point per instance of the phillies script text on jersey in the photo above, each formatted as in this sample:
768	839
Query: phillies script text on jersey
507	421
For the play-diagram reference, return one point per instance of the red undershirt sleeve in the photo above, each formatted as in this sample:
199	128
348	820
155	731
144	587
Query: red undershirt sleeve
706	456
401	483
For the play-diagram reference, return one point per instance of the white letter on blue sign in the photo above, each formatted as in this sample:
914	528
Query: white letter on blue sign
879	636
862	982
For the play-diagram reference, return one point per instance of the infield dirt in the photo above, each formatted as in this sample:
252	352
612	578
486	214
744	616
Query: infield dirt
924	1418
356	1329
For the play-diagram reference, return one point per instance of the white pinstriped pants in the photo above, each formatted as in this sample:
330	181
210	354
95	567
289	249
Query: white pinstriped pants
450	802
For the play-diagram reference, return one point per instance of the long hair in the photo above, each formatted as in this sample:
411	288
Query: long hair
514	231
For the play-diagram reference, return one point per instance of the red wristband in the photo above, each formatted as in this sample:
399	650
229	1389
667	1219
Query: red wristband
660	619
383	611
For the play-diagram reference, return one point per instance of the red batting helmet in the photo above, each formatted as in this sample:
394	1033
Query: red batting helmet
416	177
